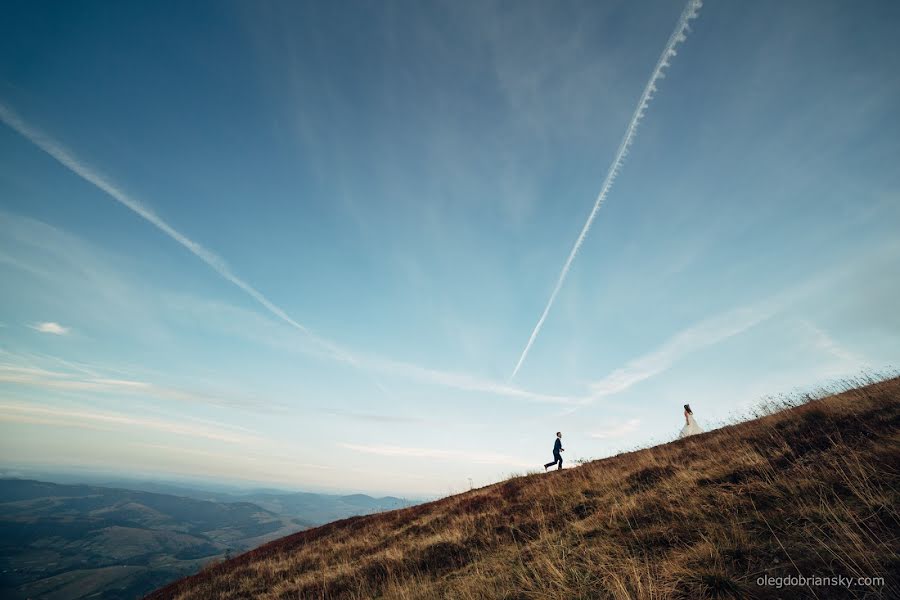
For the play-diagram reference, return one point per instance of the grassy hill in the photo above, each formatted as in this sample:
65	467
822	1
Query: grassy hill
811	490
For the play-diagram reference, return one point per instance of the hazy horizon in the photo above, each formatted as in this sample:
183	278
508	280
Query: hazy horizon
106	478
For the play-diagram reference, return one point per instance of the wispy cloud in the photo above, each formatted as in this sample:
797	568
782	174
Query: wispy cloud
50	327
617	431
701	335
260	329
458	381
723	326
691	11
374	417
68	364
432	453
65	381
824	342
462	381
92	419
86	172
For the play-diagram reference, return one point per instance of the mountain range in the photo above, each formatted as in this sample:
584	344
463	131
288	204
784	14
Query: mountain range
66	541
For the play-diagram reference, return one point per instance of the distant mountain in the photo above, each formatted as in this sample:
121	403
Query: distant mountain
68	541
320	508
71	541
310	507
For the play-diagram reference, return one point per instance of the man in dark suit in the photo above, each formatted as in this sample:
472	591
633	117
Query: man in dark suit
557	448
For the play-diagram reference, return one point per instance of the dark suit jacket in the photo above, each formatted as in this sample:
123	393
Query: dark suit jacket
557	446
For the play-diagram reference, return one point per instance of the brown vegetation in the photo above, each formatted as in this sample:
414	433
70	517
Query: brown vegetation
808	489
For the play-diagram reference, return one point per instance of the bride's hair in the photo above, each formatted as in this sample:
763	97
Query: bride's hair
687	407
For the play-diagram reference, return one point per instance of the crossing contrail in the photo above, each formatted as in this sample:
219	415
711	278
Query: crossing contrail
691	11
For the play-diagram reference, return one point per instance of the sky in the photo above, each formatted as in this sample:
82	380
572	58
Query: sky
306	244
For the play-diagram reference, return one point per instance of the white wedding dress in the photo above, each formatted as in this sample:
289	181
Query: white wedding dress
691	428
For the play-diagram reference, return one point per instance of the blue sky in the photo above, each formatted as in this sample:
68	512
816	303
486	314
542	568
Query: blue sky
306	244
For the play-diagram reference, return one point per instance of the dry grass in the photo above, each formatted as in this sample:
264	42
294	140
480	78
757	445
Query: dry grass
810	488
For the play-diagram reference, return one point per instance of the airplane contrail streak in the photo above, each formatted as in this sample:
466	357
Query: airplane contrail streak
691	11
68	160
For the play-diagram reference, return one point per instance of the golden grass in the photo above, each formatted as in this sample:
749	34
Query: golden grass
810	488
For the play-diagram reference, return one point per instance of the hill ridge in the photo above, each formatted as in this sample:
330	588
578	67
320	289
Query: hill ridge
810	490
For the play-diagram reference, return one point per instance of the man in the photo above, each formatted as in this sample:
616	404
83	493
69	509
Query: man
557	448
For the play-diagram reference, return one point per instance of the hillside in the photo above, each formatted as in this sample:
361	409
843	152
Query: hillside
810	490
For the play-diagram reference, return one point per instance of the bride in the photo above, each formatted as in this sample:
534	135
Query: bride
690	425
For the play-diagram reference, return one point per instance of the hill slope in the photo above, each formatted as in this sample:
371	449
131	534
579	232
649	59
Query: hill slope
811	490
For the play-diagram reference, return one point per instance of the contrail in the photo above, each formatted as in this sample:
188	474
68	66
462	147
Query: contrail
218	264
68	160
691	11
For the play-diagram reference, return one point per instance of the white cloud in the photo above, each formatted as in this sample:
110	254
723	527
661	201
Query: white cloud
91	419
825	343
717	329
701	335
50	327
68	381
